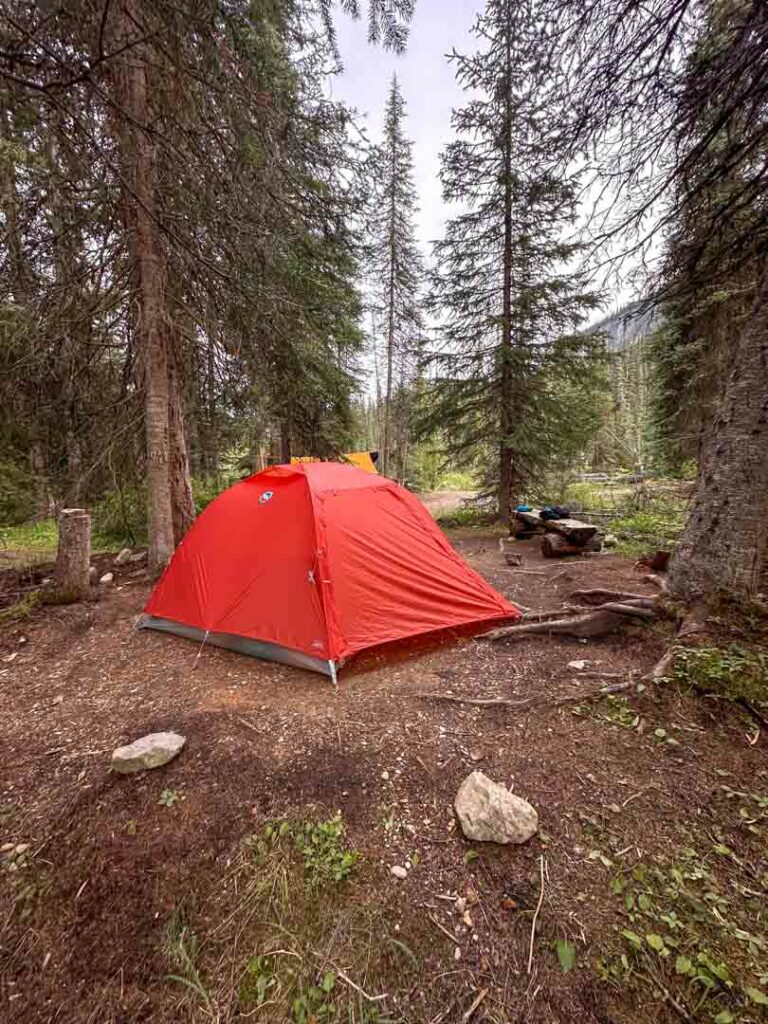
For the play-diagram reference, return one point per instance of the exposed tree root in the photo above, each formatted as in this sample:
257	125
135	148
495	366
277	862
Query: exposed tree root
600	596
605	618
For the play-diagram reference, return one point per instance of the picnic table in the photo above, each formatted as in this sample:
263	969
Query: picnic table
561	536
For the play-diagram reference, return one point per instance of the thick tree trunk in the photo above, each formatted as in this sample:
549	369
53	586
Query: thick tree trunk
73	558
722	549
506	454
139	161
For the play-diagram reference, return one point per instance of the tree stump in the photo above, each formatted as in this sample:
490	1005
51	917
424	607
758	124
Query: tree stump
73	558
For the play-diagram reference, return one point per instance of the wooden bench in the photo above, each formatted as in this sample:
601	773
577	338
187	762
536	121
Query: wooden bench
561	536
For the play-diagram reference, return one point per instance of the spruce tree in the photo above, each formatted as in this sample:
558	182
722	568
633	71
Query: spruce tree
514	376
396	272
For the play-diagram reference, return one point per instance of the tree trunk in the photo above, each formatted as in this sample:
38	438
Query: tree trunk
73	558
285	442
723	546
139	161
386	440
506	454
182	500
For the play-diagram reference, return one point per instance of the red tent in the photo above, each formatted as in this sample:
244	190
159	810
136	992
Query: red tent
310	563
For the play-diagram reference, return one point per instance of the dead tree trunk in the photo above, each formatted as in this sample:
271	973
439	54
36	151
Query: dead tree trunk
182	499
73	558
724	542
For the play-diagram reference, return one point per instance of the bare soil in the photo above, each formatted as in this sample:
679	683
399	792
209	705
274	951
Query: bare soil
82	938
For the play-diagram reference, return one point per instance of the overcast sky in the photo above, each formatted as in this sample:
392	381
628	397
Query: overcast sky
427	83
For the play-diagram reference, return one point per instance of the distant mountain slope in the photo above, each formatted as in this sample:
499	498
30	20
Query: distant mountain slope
627	326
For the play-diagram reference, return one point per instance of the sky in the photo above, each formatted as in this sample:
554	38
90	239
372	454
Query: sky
428	87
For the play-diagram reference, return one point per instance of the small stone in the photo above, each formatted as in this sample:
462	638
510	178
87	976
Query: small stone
579	665
398	871
488	812
140	556
476	755
385	776
150	751
610	541
7	847
123	556
93	573
107	577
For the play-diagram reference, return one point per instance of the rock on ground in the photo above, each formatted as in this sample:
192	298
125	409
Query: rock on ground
123	556
489	813
148	752
107	577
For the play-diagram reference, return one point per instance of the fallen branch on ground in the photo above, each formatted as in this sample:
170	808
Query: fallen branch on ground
524	705
599	596
536	914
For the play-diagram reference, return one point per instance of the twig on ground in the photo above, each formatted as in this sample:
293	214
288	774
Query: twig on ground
444	930
352	984
536	912
247	724
491	702
475	1003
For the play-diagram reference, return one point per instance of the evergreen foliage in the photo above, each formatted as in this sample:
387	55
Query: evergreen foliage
514	376
396	273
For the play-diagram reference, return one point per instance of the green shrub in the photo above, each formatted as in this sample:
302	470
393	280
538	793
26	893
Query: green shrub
17	497
120	518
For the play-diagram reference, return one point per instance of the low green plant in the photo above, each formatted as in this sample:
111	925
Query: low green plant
179	946
734	672
321	845
686	937
470	513
21	609
611	708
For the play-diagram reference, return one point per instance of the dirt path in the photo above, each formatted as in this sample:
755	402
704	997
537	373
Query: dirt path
129	880
444	501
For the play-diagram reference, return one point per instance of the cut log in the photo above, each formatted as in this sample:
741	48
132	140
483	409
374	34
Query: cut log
73	557
553	545
574	530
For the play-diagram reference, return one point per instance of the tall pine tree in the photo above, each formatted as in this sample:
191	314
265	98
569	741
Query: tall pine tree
396	272
515	378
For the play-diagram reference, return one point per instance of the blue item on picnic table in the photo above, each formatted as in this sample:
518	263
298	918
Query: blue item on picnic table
522	508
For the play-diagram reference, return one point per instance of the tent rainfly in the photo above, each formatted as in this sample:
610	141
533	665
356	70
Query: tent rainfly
310	563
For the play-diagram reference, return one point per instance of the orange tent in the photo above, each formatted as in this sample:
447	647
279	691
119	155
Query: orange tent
310	563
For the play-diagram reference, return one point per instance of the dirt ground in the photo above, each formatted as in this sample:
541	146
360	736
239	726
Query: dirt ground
84	914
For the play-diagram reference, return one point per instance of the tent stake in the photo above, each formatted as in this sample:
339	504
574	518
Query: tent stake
200	651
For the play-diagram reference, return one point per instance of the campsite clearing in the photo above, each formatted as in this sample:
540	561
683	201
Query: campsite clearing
224	883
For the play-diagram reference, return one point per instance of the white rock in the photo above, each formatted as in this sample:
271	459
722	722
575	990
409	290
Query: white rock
398	871
489	813
107	577
123	556
580	664
610	541
148	752
140	556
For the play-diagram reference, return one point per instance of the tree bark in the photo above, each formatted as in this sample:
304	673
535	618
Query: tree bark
506	453
73	557
139	162
182	500
723	545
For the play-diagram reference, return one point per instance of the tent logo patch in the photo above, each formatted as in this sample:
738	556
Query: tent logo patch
265	497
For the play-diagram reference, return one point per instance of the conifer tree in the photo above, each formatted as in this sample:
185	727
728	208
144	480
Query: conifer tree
396	272
515	378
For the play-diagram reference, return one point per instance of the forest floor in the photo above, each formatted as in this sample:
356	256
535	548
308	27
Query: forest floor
176	894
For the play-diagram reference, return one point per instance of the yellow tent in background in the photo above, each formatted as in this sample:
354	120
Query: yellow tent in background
362	460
